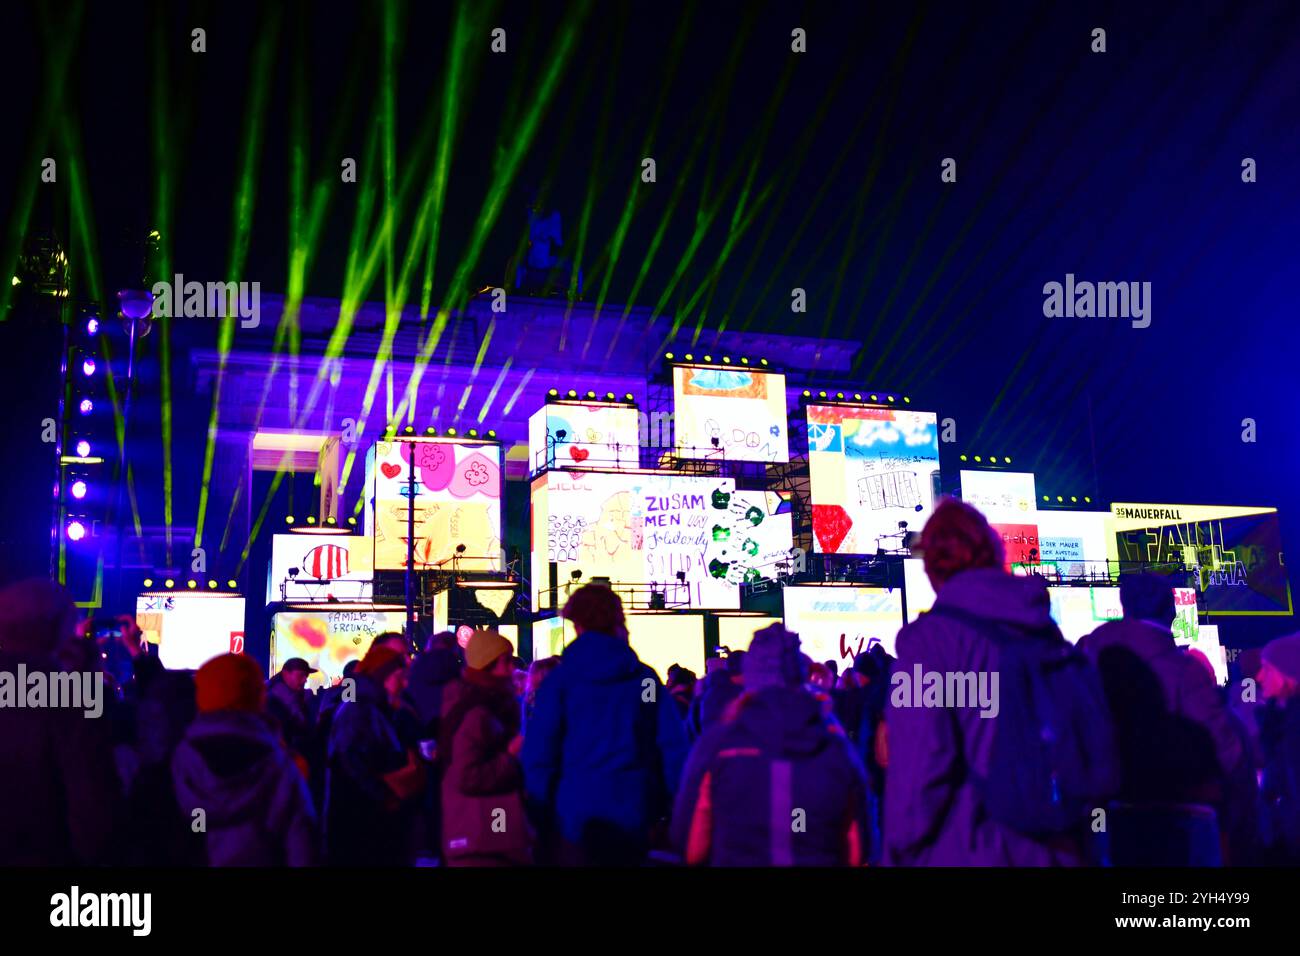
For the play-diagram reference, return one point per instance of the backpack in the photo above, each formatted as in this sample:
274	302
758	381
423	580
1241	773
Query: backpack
1054	758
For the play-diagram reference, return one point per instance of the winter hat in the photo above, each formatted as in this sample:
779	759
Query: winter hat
380	661
484	648
1283	653
773	659
957	538
229	682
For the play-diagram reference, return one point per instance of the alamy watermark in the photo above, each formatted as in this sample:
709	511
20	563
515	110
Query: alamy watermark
1101	300
949	689
64	690
208	300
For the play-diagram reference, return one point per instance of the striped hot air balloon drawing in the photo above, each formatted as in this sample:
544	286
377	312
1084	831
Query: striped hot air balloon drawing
325	561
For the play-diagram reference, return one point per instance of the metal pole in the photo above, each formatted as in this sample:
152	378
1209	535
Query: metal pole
410	546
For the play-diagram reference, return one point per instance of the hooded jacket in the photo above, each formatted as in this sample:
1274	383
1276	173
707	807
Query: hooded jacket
257	811
787	788
934	815
1175	733
604	749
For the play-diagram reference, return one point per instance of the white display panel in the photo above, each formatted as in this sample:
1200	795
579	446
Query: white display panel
737	413
568	434
839	623
1078	611
191	628
870	469
327	640
1007	499
919	591
457	503
736	631
645	528
325	565
1075	543
662	640
1207	642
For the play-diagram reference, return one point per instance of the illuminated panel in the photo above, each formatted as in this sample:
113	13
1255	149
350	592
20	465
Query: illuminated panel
870	469
1080	611
645	528
736	631
1076	543
191	629
551	636
839	623
327	640
661	640
1007	499
916	584
565	434
1236	553
325	565
736	413
457	502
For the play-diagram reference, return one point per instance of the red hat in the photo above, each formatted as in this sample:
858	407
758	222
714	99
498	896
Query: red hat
380	661
229	682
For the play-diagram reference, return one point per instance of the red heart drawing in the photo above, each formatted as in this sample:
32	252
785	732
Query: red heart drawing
578	454
390	470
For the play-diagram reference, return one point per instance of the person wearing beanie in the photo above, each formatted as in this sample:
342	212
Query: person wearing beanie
59	789
233	767
484	822
373	778
605	745
1278	682
773	757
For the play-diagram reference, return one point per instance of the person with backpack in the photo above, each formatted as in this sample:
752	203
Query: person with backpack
1009	781
604	749
774	782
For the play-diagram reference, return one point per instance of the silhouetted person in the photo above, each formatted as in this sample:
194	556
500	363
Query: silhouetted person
1279	683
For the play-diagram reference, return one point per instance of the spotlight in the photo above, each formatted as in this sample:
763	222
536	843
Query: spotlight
629	397
891	398
83	448
681	577
807	393
575	575
492	433
87	406
708	358
451	433
573	393
610	397
191	584
874	399
1046	498
668	356
1074	500
977	457
1059	498
840	396
76	530
963	457
554	393
726	360
591	394
744	360
473	433
352	520
331	521
78	489
821	394
92	325
857	396
1007	459
148	582
690	357
906	400
212	585
1087	500
409	430
232	584
431	431
88	367
460	549
169	584
288	519
311	519
762	362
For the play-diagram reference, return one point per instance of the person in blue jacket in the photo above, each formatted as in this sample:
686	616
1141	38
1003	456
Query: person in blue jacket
604	748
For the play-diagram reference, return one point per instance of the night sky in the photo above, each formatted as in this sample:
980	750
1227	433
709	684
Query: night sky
1122	166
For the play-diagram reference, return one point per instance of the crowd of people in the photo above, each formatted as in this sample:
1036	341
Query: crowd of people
1122	750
